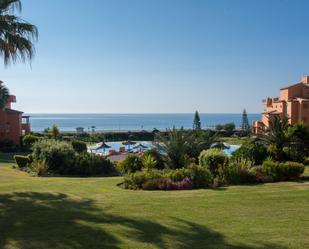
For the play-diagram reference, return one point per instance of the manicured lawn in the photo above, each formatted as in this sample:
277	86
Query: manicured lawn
235	140
94	213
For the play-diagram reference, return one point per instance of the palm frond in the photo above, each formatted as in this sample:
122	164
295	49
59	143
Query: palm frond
16	35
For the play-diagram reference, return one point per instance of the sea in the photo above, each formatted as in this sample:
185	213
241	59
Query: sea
131	122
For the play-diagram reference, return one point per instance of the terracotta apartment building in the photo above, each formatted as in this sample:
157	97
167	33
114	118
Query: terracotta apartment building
292	103
11	123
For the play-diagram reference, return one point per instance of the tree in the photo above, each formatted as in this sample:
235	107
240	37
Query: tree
175	146
197	121
202	140
298	148
54	131
16	35
229	127
4	95
276	137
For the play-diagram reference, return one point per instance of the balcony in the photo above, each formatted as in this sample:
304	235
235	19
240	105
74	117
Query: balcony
25	126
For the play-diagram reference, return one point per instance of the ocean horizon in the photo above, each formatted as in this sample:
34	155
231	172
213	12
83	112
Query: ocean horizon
131	121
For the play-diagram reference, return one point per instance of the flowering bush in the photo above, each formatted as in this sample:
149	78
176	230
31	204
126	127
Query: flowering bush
185	178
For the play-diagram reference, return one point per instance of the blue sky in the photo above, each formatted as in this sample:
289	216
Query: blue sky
140	56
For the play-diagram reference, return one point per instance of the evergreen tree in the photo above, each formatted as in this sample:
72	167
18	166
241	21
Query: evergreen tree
197	121
245	122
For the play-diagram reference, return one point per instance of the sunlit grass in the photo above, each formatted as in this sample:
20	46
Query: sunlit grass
95	213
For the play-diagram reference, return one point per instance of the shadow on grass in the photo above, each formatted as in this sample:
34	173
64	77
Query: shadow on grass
50	221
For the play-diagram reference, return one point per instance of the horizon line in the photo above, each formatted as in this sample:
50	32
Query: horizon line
119	113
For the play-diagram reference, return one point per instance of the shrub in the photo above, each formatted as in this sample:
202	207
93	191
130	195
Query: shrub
295	153
229	127
58	155
137	179
239	173
79	146
160	162
29	140
253	151
283	171
185	178
200	176
40	168
260	175
148	162
88	164
178	174
22	161
213	159
130	165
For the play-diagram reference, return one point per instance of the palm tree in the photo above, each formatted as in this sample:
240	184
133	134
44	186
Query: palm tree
203	140
276	137
175	146
16	35
4	95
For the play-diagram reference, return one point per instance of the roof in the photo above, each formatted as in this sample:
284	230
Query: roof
292	85
12	111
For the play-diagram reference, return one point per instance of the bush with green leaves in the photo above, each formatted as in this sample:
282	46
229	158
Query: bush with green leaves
131	164
29	140
160	159
58	155
283	171
39	168
253	151
200	176
148	162
213	159
229	127
239	172
137	180
194	176
89	164
260	175
22	161
79	146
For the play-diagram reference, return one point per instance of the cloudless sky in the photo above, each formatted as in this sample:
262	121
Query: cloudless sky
132	56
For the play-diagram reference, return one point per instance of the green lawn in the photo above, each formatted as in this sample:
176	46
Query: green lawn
49	213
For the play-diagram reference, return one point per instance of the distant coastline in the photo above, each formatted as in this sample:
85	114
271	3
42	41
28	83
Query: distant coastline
131	121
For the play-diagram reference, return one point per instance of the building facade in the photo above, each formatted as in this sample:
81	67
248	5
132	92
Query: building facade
12	124
292	103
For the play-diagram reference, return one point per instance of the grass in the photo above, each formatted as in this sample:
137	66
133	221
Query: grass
94	213
235	140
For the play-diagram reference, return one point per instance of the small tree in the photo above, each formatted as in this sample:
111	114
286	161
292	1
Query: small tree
149	162
197	121
54	131
229	127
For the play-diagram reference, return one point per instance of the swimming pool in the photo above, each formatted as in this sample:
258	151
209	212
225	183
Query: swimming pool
144	146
